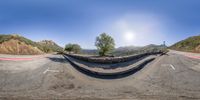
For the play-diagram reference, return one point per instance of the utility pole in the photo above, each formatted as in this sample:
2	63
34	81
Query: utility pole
164	43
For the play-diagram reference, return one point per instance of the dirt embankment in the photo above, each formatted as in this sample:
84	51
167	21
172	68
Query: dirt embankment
17	47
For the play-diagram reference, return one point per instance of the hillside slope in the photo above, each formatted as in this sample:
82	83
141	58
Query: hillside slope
49	46
13	46
16	44
191	44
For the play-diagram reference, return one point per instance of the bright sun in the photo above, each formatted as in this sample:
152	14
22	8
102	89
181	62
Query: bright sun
129	36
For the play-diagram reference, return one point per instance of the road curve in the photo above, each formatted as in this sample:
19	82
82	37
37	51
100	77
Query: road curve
169	77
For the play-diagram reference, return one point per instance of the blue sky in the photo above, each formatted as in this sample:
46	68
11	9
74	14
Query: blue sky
129	22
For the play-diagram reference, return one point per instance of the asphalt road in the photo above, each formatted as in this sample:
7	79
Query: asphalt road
169	77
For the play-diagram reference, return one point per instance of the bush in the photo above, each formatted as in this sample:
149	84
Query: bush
73	48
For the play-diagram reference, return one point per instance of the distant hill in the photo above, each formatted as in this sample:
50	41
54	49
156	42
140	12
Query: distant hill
152	47
89	51
127	50
191	44
16	44
49	46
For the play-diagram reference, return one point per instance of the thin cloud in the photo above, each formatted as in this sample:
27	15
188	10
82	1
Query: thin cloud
144	29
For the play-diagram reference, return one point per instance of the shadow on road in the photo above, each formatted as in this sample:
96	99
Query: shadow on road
109	66
58	59
96	75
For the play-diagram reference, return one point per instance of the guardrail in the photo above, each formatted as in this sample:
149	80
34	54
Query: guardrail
110	60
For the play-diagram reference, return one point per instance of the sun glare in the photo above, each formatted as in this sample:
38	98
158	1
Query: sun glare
129	36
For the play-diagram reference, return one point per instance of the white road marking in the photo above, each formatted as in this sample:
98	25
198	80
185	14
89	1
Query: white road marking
48	70
172	66
169	65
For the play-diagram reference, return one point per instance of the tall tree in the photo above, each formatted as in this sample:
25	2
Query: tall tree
105	44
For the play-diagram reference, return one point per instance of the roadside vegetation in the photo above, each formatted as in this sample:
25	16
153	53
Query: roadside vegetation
73	48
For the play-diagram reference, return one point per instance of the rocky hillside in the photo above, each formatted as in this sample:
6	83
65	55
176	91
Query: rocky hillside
16	44
49	46
191	44
13	46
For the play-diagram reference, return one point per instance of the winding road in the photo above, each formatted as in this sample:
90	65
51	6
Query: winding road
169	77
